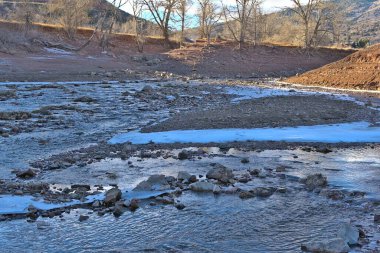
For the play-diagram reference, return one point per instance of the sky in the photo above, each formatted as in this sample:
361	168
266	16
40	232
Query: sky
268	5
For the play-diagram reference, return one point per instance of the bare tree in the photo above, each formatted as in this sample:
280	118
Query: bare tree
110	16
209	14
183	8
24	13
237	17
70	13
138	24
315	16
162	11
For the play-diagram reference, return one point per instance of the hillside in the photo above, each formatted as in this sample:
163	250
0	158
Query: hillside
364	19
360	70
9	8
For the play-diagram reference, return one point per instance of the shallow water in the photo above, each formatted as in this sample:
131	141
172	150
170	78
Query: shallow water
208	224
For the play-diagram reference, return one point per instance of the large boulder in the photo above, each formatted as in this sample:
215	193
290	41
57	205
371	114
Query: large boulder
112	196
335	245
349	233
315	181
154	183
220	173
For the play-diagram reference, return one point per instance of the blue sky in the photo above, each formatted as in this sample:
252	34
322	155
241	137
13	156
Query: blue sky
268	5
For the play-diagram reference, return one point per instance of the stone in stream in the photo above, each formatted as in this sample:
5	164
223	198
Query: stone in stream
348	233
335	245
244	160
220	173
83	218
183	155
134	205
264	192
180	206
118	209
183	176
203	186
246	195
112	196
26	174
315	181
153	183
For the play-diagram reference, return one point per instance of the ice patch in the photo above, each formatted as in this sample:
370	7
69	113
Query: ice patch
246	93
57	51
19	204
58	83
347	132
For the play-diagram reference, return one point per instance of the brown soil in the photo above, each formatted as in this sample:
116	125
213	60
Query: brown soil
225	60
270	112
31	62
360	70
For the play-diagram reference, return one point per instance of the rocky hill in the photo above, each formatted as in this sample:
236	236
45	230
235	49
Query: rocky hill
364	19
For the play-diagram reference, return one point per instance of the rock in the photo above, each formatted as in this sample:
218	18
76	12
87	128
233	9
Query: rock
246	195
282	190
333	194
203	186
166	200
42	225
323	150
118	210
153	183
96	204
230	190
147	89
85	100
315	181
183	176
83	187
26	174
244	160
348	233
220	173
18	192
112	196
335	245
193	179
83	218
257	173
134	205
376	218
281	169
180	206
264	192
183	155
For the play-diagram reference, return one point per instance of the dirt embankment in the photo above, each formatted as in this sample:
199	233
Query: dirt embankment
24	59
224	60
360	70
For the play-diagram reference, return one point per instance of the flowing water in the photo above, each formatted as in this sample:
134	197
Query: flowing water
209	223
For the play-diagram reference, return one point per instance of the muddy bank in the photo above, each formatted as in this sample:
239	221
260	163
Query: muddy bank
282	111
